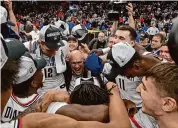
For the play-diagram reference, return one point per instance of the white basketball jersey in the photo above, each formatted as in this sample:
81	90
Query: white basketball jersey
126	86
16	105
12	124
143	120
129	85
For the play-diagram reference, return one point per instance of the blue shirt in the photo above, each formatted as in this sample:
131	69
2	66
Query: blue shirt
145	28
71	25
138	37
87	25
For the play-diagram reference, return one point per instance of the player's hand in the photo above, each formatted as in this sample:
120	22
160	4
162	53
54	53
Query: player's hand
8	4
129	7
112	87
84	48
98	52
51	96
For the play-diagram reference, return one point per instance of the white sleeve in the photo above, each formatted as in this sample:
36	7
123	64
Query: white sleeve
54	106
106	50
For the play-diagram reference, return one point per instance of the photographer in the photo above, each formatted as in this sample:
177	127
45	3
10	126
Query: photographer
131	21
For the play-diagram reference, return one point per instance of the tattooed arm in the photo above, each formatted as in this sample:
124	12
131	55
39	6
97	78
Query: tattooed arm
30	109
42	104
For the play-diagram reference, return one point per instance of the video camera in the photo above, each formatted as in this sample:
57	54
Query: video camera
118	9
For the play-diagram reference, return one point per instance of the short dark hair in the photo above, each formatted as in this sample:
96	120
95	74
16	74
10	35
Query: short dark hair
90	94
164	44
162	39
8	74
133	34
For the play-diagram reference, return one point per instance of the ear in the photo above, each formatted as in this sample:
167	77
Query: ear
33	84
136	65
168	104
132	43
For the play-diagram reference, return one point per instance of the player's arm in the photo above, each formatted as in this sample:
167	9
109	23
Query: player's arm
42	104
45	120
117	113
129	7
85	113
8	4
114	27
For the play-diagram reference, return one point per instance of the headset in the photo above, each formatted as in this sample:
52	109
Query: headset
91	80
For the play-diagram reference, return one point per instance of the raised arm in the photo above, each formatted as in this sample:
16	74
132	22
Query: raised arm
8	4
114	27
130	14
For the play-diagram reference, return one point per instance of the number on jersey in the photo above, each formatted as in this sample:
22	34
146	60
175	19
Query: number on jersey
48	72
121	83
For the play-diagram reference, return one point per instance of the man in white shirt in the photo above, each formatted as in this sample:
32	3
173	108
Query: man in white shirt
34	33
152	30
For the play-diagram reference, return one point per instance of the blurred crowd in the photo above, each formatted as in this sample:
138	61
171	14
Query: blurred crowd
94	14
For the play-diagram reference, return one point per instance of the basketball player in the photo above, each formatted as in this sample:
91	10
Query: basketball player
54	50
29	79
159	94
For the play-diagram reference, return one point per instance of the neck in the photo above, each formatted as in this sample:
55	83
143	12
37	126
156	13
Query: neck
24	95
30	92
168	121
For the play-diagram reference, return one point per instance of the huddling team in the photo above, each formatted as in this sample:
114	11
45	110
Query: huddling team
58	83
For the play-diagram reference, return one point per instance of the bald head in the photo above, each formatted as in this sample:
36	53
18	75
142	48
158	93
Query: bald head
76	55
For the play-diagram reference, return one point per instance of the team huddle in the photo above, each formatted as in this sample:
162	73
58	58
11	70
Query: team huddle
60	81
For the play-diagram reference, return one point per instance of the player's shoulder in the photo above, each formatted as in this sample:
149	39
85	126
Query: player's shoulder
15	100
